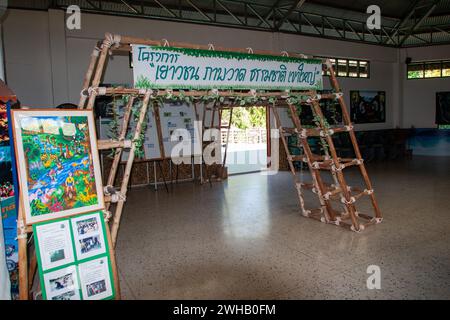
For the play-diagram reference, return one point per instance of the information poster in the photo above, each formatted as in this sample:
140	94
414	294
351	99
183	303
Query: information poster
73	258
176	116
111	121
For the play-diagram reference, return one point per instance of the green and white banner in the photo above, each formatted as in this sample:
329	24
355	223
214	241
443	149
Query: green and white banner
179	68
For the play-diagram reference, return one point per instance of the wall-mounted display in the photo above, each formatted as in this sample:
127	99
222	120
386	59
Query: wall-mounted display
443	108
73	258
59	171
368	106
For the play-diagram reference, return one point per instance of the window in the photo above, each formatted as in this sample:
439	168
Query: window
349	68
428	69
446	69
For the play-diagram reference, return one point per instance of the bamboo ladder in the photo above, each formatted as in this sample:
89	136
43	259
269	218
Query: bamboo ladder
329	161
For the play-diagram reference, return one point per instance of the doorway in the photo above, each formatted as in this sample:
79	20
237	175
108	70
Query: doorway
247	141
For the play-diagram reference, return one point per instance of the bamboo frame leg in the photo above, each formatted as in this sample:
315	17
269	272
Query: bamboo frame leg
113	263
129	165
347	120
297	182
32	270
88	76
118	153
22	238
315	173
106	46
342	183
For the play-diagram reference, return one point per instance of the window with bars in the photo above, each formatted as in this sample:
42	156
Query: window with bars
351	68
428	69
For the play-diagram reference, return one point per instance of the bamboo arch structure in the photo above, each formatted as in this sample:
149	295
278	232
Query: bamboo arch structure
330	161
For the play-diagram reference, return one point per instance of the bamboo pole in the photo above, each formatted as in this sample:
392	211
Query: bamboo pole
106	45
112	255
347	120
200	93
129	165
88	76
118	152
22	238
297	182
315	174
339	175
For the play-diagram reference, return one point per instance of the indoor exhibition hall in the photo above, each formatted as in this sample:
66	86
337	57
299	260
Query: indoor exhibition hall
196	151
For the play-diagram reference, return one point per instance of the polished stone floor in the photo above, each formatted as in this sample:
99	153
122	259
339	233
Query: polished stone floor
245	239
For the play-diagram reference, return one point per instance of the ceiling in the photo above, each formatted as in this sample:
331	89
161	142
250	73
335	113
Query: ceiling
404	23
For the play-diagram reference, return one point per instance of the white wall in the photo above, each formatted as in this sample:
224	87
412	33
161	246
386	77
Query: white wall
46	63
419	96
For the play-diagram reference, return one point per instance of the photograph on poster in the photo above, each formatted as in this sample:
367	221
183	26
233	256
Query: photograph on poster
54	244
62	284
69	295
88	235
87	226
90	244
60	174
95	279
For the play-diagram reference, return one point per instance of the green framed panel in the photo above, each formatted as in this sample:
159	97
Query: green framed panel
73	258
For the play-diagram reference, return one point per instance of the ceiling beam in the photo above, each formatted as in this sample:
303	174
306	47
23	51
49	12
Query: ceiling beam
296	6
419	23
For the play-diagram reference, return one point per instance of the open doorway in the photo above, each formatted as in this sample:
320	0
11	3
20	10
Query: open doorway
247	137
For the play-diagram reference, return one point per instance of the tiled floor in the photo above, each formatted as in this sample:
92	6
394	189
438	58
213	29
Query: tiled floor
245	239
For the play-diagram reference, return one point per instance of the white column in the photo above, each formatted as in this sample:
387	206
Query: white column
58	56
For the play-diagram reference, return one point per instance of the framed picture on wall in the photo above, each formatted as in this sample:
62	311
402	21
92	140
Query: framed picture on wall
367	106
443	108
59	172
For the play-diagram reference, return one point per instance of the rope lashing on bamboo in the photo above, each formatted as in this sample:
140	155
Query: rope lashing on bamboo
114	194
325	133
348	128
361	228
112	41
368	191
348	202
22	230
359	161
338	95
107	215
335	168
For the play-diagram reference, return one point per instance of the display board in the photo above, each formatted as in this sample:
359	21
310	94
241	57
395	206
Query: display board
182	68
73	258
59	172
175	115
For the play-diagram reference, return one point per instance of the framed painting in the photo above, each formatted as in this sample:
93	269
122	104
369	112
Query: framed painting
443	108
58	165
368	106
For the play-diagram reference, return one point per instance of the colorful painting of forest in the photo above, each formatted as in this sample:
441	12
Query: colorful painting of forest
58	163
